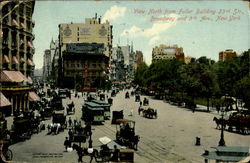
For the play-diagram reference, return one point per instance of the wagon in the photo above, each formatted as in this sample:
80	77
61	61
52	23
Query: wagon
116	115
60	117
125	133
125	154
70	108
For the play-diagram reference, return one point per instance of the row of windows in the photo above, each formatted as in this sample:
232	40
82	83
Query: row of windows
82	65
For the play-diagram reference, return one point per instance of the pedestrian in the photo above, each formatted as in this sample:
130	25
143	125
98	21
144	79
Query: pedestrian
70	122
140	103
67	144
70	133
115	156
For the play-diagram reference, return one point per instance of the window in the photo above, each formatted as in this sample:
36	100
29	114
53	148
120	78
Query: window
72	65
78	65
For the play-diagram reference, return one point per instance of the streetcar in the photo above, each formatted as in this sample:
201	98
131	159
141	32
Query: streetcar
105	106
93	113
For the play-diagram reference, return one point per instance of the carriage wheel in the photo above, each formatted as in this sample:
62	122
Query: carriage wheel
8	155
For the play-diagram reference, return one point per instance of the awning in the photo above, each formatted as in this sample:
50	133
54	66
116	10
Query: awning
4	101
12	76
15	60
22	25
30	44
29	79
14	22
6	59
33	96
29	62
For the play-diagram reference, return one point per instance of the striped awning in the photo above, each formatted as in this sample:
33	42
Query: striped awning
6	59
15	60
14	22
29	62
30	44
12	76
29	79
33	96
22	25
4	101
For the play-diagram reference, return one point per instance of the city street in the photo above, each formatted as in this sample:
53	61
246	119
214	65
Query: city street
169	138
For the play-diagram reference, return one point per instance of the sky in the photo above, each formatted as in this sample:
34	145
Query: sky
201	28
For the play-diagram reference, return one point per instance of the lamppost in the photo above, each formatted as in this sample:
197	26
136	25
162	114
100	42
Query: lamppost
222	141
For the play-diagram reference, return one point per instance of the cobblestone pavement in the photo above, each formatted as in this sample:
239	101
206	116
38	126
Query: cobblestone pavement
169	138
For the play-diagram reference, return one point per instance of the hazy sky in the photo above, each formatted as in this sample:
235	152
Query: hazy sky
193	25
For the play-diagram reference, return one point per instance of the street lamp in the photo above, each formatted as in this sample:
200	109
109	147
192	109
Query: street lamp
222	141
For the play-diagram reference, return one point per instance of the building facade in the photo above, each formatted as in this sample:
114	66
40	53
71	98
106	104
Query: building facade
84	35
167	52
16	47
47	63
84	65
229	53
138	59
16	53
122	63
92	31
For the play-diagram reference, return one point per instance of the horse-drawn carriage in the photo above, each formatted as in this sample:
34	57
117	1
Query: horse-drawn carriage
102	97
116	115
110	101
125	133
148	112
108	147
145	101
59	120
71	108
113	93
21	129
236	122
127	95
46	112
137	98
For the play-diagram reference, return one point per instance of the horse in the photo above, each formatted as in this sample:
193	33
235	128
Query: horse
79	151
93	153
219	122
135	141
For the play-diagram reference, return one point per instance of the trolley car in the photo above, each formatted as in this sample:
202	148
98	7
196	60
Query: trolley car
93	113
105	106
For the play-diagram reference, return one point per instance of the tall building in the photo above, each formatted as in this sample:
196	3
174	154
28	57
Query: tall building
92	31
138	59
16	54
167	52
229	53
81	36
47	63
16	47
85	65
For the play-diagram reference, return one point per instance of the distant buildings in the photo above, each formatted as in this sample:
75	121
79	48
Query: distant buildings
46	64
84	51
122	63
167	52
50	61
138	59
229	53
